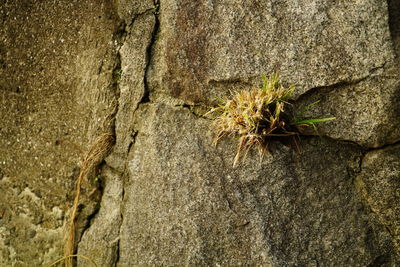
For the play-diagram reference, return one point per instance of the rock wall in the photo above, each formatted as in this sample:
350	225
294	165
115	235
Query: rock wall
56	91
147	71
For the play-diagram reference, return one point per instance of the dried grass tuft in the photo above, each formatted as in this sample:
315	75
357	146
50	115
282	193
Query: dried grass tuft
258	115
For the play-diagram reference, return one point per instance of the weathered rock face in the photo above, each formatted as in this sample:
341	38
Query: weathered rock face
169	196
379	184
206	44
356	108
56	61
287	209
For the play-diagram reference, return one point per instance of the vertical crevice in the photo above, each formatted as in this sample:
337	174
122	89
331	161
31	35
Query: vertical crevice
117	72
110	122
394	24
145	98
149	53
118	38
380	261
118	245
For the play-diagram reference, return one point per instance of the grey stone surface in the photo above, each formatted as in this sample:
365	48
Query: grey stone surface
129	9
100	242
341	51
379	185
170	197
206	47
367	112
185	205
134	61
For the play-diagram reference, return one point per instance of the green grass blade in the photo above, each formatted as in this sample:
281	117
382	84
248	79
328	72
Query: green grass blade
311	104
304	109
312	121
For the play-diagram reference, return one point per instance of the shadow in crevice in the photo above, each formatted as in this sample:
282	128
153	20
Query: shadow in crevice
394	24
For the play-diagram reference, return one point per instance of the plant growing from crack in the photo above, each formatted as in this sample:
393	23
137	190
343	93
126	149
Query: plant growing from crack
117	74
156	8
261	114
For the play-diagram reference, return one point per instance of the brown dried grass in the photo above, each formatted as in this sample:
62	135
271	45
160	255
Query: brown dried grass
261	114
96	154
255	116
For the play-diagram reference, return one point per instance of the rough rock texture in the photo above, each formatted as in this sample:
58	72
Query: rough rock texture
129	9
205	48
287	209
134	61
102	241
56	61
146	71
379	184
206	44
367	112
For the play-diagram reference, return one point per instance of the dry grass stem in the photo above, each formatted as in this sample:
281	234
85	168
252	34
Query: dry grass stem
97	152
74	256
